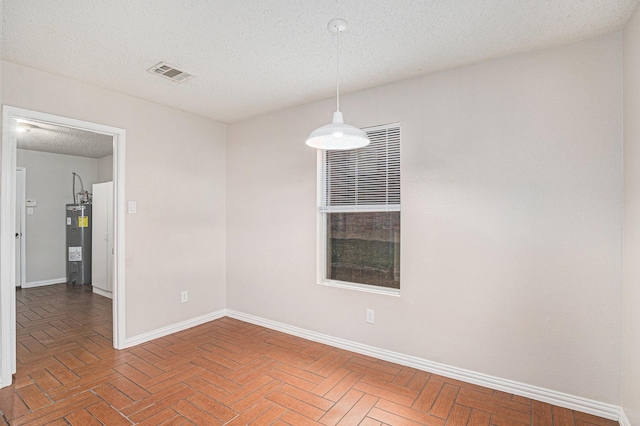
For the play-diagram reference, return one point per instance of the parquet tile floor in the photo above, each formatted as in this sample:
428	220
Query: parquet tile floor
227	372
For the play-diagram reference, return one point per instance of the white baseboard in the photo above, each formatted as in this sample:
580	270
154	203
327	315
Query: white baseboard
41	283
572	402
174	328
624	421
102	292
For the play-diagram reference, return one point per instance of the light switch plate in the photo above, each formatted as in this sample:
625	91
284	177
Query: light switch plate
370	316
133	208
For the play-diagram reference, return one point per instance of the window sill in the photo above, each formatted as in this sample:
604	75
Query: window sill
361	287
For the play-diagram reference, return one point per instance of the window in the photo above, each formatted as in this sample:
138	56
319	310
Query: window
359	207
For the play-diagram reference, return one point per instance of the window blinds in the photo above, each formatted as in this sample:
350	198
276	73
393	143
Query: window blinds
364	179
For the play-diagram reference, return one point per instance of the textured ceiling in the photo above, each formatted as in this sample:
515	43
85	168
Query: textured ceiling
63	140
255	56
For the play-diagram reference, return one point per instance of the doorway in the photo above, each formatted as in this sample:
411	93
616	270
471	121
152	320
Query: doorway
11	117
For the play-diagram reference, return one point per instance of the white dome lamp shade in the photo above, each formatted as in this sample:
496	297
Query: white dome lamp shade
338	135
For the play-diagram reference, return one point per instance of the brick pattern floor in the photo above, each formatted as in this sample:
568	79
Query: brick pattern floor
227	372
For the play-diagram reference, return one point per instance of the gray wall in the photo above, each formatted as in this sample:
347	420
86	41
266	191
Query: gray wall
511	219
105	169
631	288
49	182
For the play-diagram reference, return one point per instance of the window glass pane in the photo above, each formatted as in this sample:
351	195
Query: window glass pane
364	248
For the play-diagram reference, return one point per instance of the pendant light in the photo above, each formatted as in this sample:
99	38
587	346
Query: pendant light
338	135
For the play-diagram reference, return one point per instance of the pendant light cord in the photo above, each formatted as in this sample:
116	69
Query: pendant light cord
338	70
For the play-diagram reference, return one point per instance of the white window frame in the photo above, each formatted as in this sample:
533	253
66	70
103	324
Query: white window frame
321	267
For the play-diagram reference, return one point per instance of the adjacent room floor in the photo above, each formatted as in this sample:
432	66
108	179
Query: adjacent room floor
227	372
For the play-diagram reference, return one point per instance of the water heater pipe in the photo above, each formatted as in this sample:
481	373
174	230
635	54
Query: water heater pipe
75	200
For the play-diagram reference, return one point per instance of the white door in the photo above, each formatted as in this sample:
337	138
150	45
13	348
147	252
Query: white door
102	239
110	249
20	225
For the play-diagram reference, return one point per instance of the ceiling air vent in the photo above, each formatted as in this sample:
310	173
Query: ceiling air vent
169	71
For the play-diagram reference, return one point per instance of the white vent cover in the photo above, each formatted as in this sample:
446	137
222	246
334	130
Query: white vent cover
169	71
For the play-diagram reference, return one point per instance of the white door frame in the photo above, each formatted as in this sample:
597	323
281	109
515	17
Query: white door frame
7	229
21	199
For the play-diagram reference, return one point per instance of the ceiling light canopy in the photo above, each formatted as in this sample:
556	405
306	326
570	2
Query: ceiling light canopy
338	135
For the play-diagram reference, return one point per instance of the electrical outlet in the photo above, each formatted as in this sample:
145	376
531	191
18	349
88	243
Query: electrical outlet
370	317
184	297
